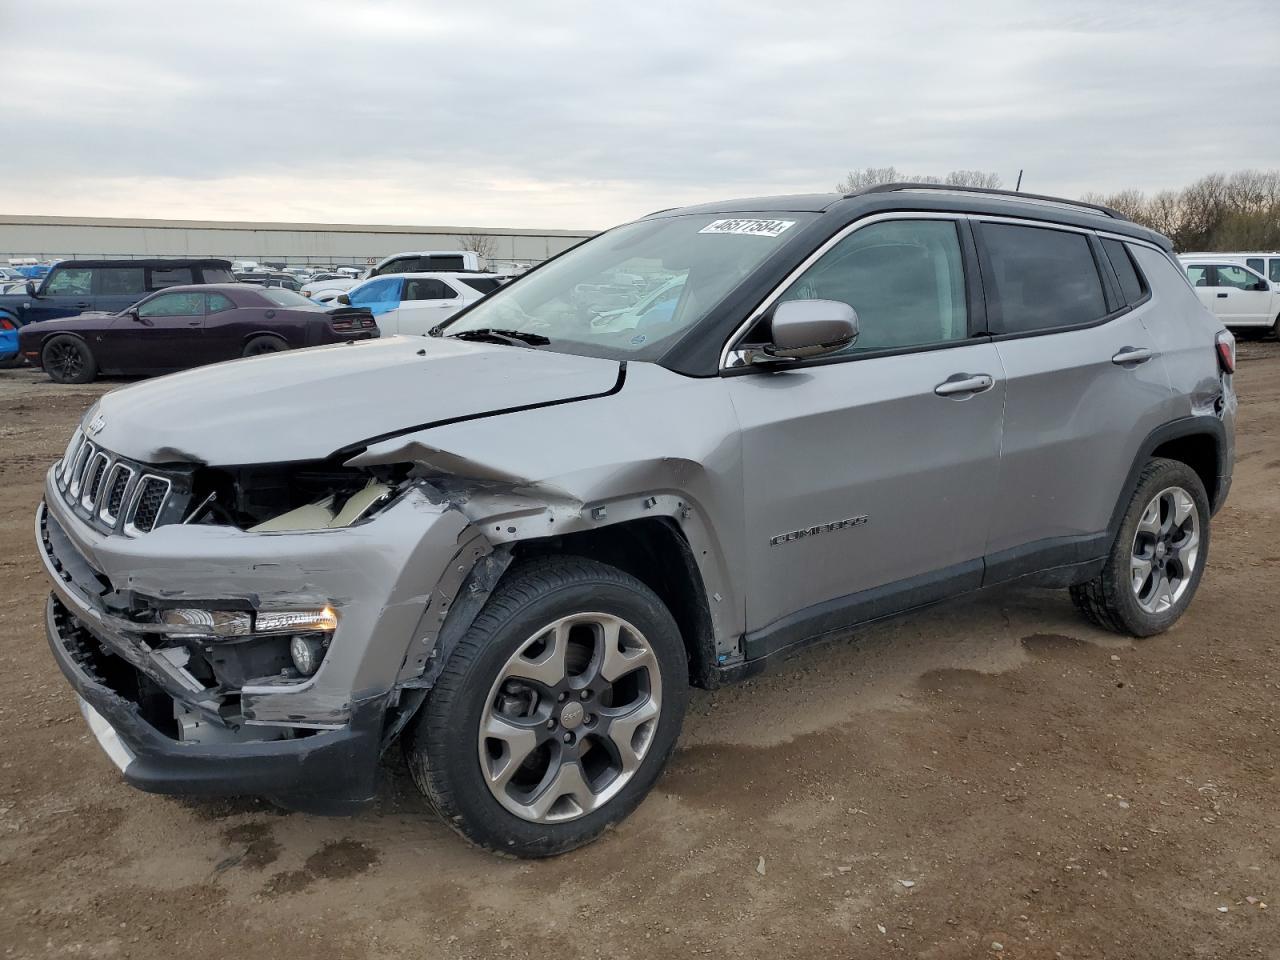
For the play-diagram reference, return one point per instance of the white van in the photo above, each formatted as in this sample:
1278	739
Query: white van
1265	262
1237	295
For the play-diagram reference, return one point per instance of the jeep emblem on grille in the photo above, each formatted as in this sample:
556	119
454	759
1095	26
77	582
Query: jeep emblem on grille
96	425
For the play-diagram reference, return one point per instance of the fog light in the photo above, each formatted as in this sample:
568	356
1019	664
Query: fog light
292	621
307	652
218	623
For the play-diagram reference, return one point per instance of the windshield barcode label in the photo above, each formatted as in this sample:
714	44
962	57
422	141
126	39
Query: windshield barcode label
755	228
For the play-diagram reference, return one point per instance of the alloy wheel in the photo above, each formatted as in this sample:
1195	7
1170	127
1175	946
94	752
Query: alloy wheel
570	717
65	360
1166	546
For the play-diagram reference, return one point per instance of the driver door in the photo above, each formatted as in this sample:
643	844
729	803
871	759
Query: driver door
1238	302
163	333
869	473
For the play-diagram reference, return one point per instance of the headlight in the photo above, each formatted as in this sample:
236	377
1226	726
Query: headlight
237	623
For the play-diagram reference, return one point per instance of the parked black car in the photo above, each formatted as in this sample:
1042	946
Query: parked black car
187	326
74	286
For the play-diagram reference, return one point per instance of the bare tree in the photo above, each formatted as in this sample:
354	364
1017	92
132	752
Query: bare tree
484	245
973	178
871	176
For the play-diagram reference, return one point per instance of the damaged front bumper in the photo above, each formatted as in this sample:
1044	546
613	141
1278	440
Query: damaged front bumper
180	715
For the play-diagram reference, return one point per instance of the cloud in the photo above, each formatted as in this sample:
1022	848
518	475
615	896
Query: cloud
580	114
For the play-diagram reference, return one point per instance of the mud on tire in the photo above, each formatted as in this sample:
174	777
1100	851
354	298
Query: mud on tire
1154	541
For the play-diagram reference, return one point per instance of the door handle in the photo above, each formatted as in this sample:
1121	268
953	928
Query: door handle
1222	296
1132	355
82	305
963	385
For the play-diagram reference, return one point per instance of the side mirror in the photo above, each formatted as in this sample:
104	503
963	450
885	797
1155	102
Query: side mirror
133	315
1262	285
31	289
811	328
343	298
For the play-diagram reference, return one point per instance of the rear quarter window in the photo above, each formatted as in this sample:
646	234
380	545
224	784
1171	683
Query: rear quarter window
1132	284
1043	279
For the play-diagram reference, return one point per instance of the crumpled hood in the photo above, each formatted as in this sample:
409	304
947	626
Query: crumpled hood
308	404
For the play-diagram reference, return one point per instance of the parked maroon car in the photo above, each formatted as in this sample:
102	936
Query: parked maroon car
188	326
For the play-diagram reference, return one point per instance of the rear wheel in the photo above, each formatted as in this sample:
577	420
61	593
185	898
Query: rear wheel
264	344
68	359
555	713
1158	556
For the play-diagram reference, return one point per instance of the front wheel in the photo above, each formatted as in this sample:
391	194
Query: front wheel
555	713
68	359
1158	557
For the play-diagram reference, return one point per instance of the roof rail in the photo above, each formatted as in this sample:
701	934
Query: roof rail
988	191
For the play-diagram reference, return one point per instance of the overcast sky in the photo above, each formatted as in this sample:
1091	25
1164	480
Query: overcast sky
585	114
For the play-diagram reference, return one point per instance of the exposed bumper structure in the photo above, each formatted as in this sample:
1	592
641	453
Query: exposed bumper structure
331	772
189	714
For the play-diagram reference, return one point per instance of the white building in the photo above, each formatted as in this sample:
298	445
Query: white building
320	244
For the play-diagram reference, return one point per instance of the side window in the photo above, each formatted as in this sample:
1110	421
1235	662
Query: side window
161	278
121	280
398	265
1255	263
216	275
1132	283
69	283
376	291
173	305
1273	271
1042	278
1198	274
427	288
219	303
1230	275
905	279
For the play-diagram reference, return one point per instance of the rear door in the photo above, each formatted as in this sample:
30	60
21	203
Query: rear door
1085	387
118	288
166	334
869	474
427	301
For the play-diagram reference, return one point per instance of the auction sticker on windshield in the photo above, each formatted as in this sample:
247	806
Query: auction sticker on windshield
755	228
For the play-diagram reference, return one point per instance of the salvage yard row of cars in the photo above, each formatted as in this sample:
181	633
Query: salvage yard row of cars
144	317
671	456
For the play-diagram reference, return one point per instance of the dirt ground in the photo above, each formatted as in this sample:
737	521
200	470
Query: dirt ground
991	778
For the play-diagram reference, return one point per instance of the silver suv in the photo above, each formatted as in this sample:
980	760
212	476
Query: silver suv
672	455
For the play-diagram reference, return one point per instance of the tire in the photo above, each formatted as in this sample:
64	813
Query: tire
68	359
11	363
574	784
1275	328
1151	534
264	344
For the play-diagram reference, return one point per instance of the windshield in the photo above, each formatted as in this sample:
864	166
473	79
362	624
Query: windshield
631	292
286	298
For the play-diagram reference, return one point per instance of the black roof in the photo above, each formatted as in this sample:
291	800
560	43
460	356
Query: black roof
935	197
163	262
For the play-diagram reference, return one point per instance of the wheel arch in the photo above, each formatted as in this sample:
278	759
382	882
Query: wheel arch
656	552
1198	441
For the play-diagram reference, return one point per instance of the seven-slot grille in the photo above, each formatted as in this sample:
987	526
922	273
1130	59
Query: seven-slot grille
111	493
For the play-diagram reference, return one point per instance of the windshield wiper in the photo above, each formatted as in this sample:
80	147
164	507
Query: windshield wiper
501	336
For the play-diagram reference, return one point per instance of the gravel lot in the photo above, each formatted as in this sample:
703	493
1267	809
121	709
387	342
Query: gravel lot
989	778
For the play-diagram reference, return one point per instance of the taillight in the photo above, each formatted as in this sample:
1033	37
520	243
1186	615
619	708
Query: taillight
1226	345
7	324
341	325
